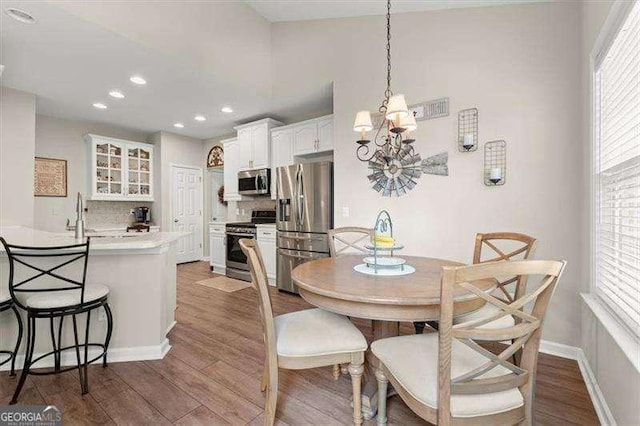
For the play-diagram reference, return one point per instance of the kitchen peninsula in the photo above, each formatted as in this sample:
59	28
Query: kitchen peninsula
140	271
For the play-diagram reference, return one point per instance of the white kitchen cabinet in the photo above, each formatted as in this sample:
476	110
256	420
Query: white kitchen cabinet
254	144
231	167
325	134
305	137
313	136
217	248
119	170
282	153
266	238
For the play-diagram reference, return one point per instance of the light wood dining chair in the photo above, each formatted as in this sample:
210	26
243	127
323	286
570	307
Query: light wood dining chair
449	378
305	339
349	240
493	247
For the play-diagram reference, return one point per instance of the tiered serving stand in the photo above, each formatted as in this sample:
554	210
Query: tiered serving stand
386	264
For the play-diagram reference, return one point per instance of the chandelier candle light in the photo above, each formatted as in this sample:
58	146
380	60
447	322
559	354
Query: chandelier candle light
393	163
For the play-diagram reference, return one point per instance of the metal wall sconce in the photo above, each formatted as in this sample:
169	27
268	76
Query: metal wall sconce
468	130
495	163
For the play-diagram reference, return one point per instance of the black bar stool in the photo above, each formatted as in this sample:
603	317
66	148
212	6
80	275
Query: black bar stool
6	303
70	297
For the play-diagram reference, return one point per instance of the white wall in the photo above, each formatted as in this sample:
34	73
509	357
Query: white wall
617	377
178	150
17	142
518	66
64	139
210	193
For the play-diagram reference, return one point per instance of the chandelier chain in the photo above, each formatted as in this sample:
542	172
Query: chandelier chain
388	92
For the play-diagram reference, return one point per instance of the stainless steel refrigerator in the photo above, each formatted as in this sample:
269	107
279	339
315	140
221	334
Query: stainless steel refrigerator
304	215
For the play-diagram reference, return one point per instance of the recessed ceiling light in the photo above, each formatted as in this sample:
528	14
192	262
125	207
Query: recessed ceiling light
200	118
227	109
178	125
19	15
99	105
136	79
116	94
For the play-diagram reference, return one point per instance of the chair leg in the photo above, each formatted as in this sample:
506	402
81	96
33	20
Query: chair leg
59	355
265	378
382	397
19	340
336	371
419	326
31	339
356	370
344	369
272	397
56	353
85	367
77	347
107	340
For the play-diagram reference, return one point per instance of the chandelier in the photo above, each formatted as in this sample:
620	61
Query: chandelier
393	162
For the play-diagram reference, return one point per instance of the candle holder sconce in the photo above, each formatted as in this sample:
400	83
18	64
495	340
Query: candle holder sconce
495	163
468	130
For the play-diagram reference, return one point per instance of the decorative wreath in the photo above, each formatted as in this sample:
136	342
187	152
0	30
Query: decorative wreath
221	196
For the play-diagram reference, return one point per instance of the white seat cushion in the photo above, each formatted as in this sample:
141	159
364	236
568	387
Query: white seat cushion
316	332
487	310
413	362
61	299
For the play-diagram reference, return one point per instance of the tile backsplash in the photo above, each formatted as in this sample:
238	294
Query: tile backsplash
236	213
112	214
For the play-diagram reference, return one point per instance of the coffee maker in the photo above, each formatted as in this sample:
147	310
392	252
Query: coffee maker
142	215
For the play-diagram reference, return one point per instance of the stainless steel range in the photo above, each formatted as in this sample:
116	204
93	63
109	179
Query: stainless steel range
236	261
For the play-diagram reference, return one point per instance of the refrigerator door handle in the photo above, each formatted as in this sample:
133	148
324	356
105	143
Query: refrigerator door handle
301	198
298	256
301	238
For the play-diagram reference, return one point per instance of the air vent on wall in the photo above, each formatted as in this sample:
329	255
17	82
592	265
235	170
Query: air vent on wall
431	109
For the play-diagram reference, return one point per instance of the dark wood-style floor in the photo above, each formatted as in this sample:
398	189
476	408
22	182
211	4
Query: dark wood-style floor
212	375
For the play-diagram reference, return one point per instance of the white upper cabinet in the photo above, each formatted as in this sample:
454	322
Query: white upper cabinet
261	149
305	137
231	162
325	134
313	136
282	153
245	148
119	170
254	144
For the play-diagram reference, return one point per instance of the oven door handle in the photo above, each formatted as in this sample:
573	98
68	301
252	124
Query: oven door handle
235	234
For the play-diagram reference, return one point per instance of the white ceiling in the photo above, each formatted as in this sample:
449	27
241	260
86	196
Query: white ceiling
301	10
70	62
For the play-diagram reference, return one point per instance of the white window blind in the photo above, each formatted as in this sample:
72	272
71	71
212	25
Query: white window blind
617	172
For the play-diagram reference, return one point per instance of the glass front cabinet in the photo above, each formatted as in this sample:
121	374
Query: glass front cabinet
119	170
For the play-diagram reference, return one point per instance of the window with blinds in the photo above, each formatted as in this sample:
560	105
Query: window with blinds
617	171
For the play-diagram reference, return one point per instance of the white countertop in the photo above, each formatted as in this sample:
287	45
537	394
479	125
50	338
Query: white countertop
21	235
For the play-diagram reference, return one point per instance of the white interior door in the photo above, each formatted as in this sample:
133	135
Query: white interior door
187	211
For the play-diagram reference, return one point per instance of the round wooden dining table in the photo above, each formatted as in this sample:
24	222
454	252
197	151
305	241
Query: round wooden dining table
334	285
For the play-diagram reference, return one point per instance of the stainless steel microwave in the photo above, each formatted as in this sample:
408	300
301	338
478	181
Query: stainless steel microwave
254	182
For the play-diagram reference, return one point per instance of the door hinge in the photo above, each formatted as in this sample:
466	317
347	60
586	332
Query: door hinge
200	245
200	178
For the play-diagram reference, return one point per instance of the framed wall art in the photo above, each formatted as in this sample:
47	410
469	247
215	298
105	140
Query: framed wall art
215	157
50	177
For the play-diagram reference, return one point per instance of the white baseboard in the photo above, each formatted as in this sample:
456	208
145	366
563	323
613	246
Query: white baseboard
173	324
597	398
141	353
